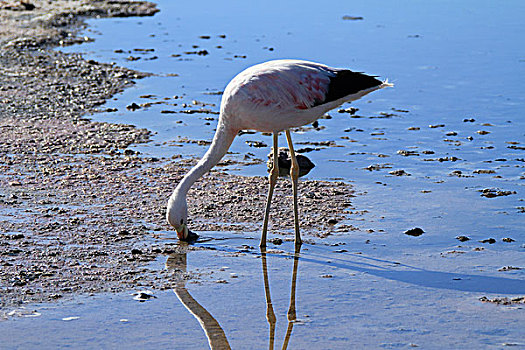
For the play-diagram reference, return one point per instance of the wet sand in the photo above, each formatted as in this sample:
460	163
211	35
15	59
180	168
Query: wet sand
79	211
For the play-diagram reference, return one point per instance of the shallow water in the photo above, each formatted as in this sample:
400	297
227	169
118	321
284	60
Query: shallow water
360	298
450	62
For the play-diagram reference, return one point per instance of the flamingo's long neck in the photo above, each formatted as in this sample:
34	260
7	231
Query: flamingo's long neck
221	143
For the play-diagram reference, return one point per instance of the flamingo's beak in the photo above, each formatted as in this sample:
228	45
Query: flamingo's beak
182	232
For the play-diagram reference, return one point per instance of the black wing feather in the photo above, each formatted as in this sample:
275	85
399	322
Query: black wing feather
346	82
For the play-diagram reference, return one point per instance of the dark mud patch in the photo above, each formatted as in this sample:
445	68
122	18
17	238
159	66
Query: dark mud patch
495	192
509	268
503	301
399	172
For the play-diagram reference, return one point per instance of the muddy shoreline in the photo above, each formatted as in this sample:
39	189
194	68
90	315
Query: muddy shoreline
79	213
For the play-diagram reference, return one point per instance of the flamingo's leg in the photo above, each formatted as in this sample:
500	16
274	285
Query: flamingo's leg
274	174
294	175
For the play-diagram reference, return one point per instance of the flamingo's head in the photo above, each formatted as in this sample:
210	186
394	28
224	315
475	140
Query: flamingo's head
177	216
182	231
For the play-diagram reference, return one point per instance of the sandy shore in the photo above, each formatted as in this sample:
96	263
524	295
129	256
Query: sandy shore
79	212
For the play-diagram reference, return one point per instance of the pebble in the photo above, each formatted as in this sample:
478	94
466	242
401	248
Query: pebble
509	268
414	232
399	172
276	241
407	153
352	18
133	107
144	295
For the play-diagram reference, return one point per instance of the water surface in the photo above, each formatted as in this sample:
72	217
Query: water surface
326	297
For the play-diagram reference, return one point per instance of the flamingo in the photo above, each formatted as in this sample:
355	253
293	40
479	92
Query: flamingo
273	96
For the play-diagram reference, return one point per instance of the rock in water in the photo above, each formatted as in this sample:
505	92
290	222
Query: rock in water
305	164
414	232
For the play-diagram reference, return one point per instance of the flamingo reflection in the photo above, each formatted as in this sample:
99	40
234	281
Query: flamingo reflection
270	315
214	333
213	330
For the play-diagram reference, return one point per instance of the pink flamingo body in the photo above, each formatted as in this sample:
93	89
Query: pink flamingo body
271	97
282	94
